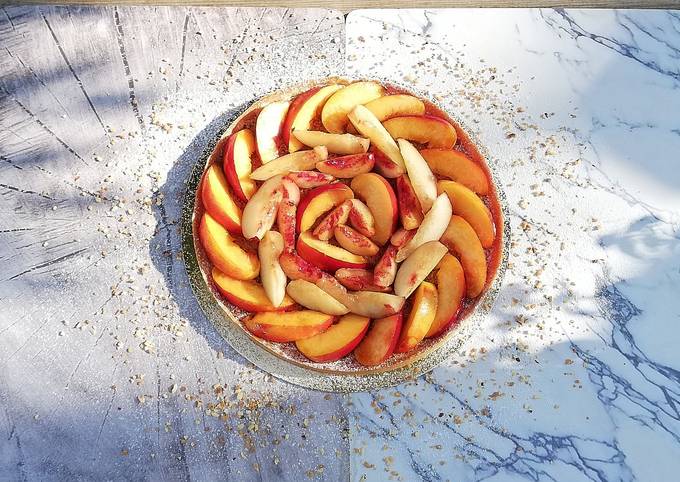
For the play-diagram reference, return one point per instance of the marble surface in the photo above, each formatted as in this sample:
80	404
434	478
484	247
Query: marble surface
108	369
576	374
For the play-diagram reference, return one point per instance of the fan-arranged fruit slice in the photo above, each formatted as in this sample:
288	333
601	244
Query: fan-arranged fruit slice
297	268
386	268
273	277
288	326
395	105
423	129
334	113
238	163
369	126
458	167
268	130
423	181
337	341
335	143
380	341
420	318
319	201
402	236
417	266
224	253
410	211
248	295
296	161
260	212
347	166
384	166
218	201
314	298
303	110
325	255
433	226
361	219
470	207
372	304
376	192
450	293
462	241
354	242
357	279
326	227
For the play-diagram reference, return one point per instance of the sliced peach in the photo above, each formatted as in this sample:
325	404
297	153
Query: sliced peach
357	279
272	276
462	241
433	226
310	179
248	295
386	268
325	255
361	219
334	113
297	161
291	191
380	341
314	298
424	182
218	201
376	192
369	126
365	303
224	253
260	212
337	341
285	220
384	166
470	207
325	229
450	291
420	318
395	105
238	164
319	201
423	129
458	167
303	110
402	236
354	242
347	166
288	326
335	143
297	268
417	266
410	211
268	130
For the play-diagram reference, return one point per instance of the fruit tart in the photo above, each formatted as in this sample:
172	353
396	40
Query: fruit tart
349	225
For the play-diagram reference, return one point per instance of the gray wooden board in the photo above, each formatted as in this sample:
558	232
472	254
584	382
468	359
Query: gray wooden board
108	369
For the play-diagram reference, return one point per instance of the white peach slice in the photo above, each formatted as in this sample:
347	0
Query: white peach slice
334	113
336	143
238	163
303	112
271	274
297	161
260	212
325	255
268	129
311	296
423	181
369	126
417	266
433	226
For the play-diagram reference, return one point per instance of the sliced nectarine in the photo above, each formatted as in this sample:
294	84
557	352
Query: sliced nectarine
423	129
470	207
310	179
218	201
297	268
380	341
424	182
326	227
357	279
376	192
224	253
325	255
334	113
384	166
450	291
361	219
402	236
367	124
347	166
272	276
260	212
314	298
268	129
336	143
238	164
417	266
248	295
462	241
354	242
410	211
395	105
419	319
319	201
365	303
285	220
303	110
386	268
297	161
288	326
458	167
337	341
433	226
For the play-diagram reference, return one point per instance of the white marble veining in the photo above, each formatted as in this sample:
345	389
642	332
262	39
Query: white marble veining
576	375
